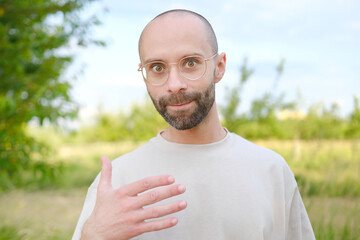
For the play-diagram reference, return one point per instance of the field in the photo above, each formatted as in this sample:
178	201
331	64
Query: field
328	173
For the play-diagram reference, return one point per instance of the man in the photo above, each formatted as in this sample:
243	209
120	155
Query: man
234	189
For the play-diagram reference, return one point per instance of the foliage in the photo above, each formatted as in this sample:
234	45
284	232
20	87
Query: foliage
322	123
322	167
353	130
33	39
233	99
140	123
263	110
9	232
263	121
327	173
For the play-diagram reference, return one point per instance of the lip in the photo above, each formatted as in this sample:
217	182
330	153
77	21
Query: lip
181	105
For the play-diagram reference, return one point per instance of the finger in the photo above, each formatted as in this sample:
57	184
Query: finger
159	195
157	225
133	189
161	211
106	172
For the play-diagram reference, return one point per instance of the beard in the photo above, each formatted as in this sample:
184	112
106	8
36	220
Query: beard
183	120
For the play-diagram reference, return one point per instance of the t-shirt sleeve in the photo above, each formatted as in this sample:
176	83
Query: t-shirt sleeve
298	223
87	209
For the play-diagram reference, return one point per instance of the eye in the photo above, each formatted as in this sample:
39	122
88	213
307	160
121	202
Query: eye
190	63
157	68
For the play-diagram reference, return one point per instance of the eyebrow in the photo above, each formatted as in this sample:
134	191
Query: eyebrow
160	60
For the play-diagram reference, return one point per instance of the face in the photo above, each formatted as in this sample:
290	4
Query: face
185	117
183	103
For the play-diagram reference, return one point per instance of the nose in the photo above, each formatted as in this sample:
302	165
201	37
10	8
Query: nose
175	82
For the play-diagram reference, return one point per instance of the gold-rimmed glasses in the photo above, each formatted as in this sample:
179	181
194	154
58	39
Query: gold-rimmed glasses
190	67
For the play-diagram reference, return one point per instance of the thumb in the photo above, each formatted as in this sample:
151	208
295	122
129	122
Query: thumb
106	172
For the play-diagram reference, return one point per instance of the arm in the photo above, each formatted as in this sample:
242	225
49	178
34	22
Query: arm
298	223
119	213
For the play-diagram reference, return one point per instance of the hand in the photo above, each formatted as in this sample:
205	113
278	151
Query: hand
119	213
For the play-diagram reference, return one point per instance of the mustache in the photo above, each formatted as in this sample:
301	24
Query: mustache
179	98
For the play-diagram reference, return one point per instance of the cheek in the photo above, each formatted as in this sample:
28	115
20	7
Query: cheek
203	83
155	92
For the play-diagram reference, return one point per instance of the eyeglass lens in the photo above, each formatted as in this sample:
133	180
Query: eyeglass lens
191	67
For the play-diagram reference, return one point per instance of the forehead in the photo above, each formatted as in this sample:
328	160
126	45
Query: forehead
173	36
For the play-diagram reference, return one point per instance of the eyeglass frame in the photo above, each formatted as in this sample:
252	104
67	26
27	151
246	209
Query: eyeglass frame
141	67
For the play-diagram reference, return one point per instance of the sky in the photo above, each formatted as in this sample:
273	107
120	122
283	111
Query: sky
319	40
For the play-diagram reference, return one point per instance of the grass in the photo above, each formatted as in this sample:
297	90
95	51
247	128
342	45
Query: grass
334	218
50	214
322	168
328	175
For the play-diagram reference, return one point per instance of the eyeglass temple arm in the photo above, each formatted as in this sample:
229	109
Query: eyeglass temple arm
140	67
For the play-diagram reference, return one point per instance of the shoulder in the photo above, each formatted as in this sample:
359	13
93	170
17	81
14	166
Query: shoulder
266	164
265	160
254	151
134	155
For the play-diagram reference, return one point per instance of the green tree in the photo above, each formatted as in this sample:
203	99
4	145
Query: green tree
141	122
34	38
229	111
323	122
353	130
144	122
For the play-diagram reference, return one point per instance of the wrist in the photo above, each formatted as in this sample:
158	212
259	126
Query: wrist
88	232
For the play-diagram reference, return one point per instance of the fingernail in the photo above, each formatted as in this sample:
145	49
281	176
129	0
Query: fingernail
171	179
174	221
182	204
181	188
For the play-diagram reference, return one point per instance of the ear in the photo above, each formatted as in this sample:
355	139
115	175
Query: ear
220	67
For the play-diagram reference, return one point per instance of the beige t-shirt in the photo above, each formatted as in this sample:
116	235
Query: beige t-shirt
234	190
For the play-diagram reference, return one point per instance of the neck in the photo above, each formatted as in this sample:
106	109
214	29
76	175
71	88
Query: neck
208	131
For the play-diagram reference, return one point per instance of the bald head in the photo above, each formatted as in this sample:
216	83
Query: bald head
208	30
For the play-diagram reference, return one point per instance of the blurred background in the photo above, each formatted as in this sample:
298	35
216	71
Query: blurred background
70	93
